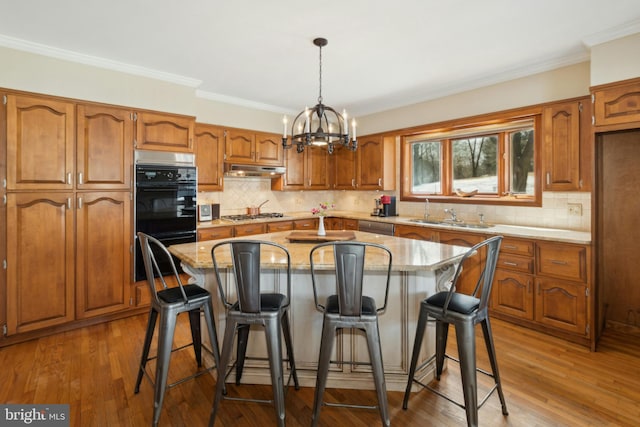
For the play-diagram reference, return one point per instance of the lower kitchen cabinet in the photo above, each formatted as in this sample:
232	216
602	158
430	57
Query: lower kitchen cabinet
468	277
215	233
46	278
337	223
272	227
416	232
40	261
250	229
562	305
305	224
103	255
512	294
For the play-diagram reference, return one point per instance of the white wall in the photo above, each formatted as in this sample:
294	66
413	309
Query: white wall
615	60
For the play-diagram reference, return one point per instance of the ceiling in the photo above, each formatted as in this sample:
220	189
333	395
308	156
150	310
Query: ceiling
381	54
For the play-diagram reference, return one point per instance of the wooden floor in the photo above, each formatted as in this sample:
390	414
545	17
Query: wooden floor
547	382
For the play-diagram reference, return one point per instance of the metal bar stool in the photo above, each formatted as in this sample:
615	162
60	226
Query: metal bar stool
252	307
464	312
168	303
349	308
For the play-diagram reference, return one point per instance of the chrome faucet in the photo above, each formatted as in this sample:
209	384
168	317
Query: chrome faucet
452	212
426	208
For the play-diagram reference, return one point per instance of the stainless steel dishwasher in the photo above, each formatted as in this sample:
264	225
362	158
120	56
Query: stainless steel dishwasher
376	227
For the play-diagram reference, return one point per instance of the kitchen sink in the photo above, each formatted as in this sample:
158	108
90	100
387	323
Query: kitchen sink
451	223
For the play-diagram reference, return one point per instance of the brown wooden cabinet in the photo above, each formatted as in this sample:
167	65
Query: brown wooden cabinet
567	146
343	164
40	143
249	229
103	147
68	209
512	292
273	227
249	147
103	257
375	163
308	170
617	105
40	260
337	223
215	233
209	148
305	224
416	232
164	132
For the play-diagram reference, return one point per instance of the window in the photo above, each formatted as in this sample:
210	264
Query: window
482	163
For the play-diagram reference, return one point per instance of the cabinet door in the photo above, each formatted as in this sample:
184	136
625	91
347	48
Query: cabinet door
40	260
269	149
350	224
333	223
562	146
104	140
239	146
317	168
617	104
370	163
164	132
293	178
562	305
40	143
343	163
416	232
512	294
469	276
103	252
209	157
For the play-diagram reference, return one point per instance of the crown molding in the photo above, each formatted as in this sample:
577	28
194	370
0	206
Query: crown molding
67	55
626	29
241	102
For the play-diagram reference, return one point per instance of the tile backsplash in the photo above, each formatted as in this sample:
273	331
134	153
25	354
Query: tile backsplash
240	193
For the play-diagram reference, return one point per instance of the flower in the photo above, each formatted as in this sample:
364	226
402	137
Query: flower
322	209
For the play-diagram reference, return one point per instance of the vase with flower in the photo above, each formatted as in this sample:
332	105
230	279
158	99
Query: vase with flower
321	211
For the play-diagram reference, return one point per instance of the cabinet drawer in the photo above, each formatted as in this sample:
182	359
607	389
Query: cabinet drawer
279	226
516	246
350	224
305	224
250	229
215	233
562	260
515	262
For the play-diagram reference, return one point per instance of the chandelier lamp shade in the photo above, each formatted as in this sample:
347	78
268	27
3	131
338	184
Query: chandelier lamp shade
320	125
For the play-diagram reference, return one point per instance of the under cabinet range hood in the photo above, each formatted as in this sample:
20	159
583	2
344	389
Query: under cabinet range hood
237	170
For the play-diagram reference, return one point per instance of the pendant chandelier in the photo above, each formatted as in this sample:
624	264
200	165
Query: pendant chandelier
320	125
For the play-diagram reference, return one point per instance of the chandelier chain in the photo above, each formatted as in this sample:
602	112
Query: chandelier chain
320	78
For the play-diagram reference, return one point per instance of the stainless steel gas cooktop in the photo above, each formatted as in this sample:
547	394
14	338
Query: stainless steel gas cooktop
245	217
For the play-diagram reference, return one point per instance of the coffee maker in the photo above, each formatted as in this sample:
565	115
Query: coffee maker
388	206
377	208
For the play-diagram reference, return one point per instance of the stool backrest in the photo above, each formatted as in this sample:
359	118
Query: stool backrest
484	282
152	251
349	263
245	260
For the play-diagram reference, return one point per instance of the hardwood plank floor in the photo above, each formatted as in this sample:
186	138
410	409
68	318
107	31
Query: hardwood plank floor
547	382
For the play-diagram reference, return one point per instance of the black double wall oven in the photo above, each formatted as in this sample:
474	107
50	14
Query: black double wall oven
165	207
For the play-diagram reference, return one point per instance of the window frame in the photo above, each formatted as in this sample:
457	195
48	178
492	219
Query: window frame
446	132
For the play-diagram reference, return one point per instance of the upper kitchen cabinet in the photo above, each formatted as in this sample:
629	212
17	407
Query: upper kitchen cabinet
249	147
308	170
40	143
343	162
104	140
375	163
567	147
617	105
209	157
164	132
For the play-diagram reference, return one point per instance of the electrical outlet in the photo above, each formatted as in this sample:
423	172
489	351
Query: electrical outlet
575	209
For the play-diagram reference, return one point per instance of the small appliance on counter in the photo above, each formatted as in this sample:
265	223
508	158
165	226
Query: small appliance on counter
377	207
388	206
208	212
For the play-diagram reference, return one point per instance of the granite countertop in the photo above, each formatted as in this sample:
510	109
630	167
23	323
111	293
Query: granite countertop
408	254
522	231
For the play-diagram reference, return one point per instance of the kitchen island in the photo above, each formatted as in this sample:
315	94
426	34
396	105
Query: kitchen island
419	269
